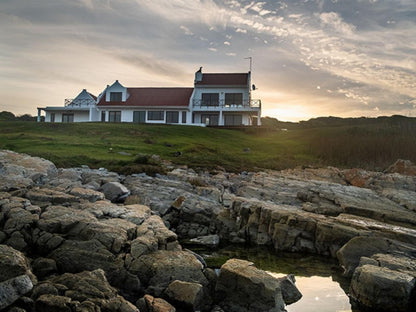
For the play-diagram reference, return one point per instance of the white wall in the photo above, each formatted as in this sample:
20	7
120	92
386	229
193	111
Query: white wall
116	87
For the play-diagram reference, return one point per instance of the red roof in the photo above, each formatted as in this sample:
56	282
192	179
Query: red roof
228	79
153	97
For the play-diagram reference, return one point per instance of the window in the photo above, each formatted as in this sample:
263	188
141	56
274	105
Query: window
139	116
52	117
233	99
209	119
114	116
115	96
102	116
183	117
155	115
172	117
210	99
233	120
67	117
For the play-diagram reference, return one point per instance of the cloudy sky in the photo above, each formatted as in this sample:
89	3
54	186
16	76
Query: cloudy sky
311	58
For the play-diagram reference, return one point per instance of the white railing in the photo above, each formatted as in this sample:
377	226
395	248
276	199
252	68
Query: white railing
247	104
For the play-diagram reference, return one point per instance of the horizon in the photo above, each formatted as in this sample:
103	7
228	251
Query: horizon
310	58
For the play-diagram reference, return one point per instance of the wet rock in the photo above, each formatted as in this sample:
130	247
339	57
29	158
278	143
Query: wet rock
257	290
208	241
115	192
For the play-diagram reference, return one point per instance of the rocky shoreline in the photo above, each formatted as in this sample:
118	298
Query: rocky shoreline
91	240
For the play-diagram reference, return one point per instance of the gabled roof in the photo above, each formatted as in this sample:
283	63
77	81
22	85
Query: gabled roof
152	97
224	79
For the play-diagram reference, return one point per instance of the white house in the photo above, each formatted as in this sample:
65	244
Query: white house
217	99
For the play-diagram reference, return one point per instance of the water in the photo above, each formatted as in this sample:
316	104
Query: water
319	279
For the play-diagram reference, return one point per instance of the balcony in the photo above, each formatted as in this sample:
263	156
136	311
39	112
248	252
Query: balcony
74	103
246	105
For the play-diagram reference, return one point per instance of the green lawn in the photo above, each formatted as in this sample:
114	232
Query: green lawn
100	145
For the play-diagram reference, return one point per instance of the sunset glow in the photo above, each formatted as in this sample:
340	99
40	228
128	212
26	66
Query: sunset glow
310	57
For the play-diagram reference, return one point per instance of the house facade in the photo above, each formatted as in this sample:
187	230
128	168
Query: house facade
217	99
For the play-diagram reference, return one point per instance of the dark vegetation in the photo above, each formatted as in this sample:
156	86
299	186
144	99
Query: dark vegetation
369	143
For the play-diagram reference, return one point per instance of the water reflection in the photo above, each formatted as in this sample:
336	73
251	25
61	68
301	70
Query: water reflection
318	278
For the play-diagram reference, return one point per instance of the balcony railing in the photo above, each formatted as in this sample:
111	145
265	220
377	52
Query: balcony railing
79	102
247	104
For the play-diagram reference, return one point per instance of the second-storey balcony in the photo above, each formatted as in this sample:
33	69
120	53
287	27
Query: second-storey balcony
74	103
245	105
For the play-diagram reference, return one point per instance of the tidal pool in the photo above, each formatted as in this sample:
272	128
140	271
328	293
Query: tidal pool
319	279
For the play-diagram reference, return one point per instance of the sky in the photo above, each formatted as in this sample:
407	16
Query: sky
310	58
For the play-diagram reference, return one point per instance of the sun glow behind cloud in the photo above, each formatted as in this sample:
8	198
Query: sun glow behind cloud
360	53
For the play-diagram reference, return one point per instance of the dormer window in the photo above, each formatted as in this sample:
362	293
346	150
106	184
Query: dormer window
116	96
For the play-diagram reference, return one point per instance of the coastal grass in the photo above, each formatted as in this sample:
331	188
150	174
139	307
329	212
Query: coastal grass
127	147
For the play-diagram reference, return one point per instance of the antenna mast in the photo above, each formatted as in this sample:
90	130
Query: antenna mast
251	61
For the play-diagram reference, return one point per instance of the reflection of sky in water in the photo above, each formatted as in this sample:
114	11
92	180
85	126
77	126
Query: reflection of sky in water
318	294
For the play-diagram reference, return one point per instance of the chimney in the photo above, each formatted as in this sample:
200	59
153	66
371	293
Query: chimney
198	75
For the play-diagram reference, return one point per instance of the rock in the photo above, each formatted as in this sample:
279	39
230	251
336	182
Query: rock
87	194
43	267
208	241
185	295
46	196
115	191
382	289
53	303
405	167
151	304
349	255
13	264
21	171
158	269
13	288
290	292
257	290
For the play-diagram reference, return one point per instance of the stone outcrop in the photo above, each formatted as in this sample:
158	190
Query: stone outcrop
257	290
88	222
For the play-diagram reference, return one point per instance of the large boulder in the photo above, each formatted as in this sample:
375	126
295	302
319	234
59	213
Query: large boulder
361	246
115	191
242	287
151	304
382	289
158	269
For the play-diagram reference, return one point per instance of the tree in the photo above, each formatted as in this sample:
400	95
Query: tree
7	116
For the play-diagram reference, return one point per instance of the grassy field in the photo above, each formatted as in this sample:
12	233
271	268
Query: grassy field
127	148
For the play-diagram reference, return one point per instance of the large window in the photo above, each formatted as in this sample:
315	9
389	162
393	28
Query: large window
233	99
172	117
114	116
139	116
233	120
67	117
155	115
115	96
183	117
210	119
103	116
210	99
52	117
